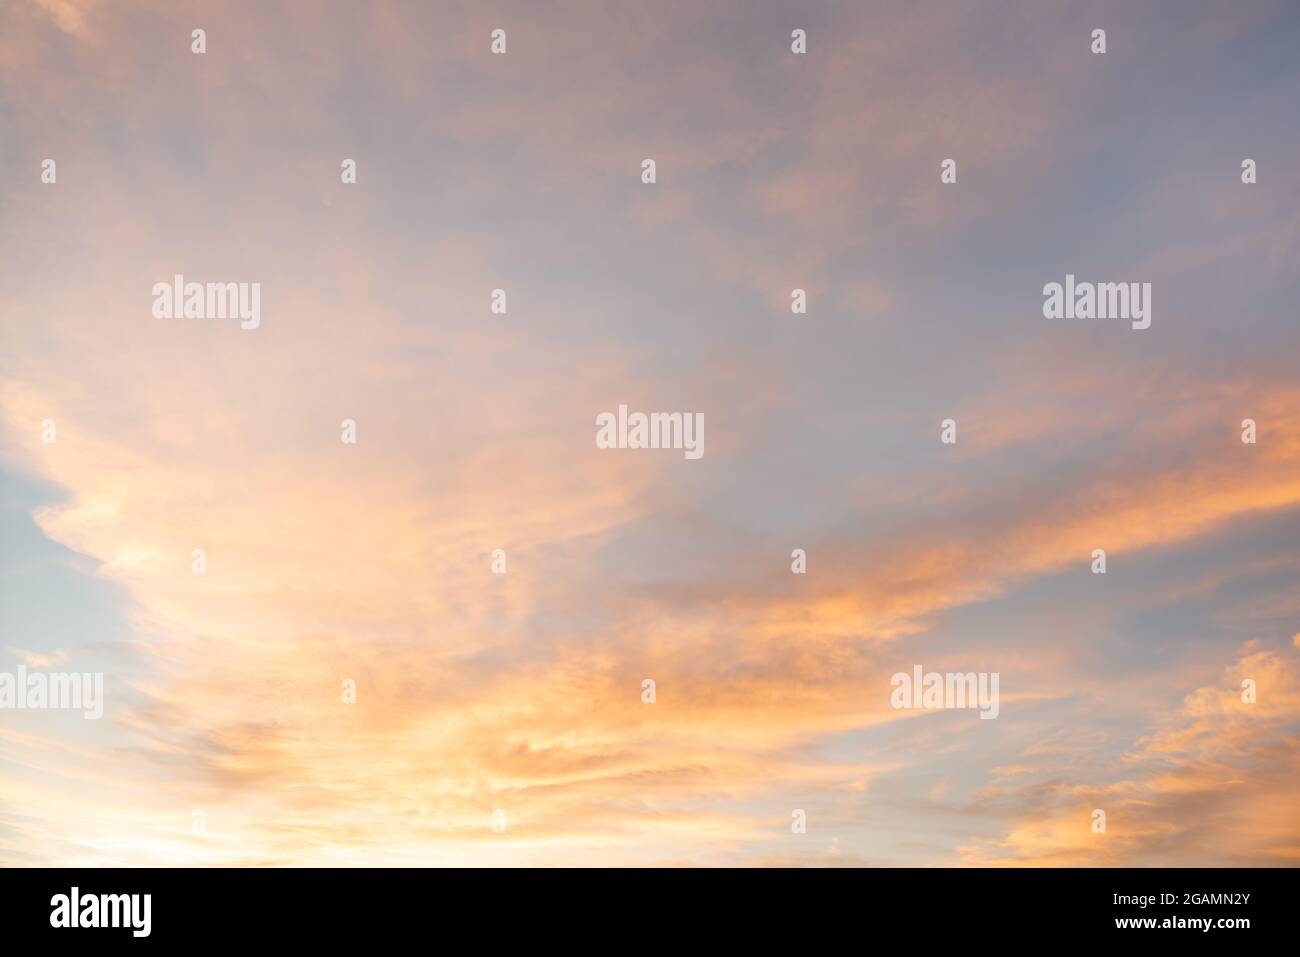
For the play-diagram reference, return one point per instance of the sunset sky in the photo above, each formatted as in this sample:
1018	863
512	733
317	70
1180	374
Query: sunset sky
225	740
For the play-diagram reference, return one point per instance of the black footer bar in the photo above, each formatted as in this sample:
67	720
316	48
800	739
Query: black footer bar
113	909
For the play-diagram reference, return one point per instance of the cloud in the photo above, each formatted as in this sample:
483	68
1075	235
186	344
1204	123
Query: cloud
1211	781
34	659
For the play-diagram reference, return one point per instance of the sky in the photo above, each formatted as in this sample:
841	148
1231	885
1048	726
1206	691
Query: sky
226	739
